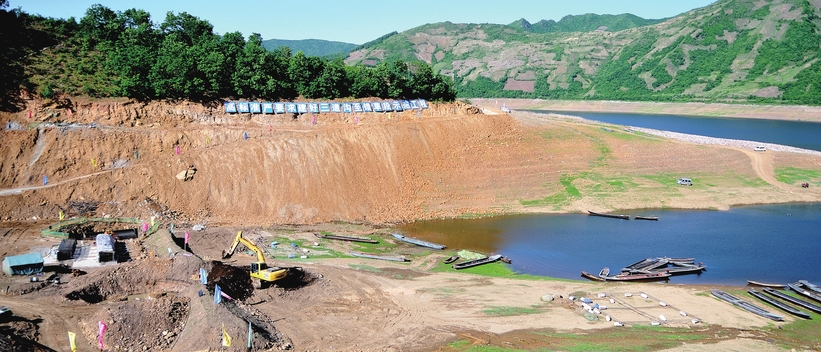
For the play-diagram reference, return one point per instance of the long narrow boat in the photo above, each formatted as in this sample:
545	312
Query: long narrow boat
681	269
804	292
780	305
623	217
347	238
380	257
746	305
810	286
793	300
452	259
592	277
419	242
476	262
651	218
637	277
639	264
763	284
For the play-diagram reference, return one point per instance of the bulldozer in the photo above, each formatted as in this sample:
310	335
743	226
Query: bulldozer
261	275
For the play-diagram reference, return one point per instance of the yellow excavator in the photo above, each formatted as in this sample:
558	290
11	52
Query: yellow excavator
261	274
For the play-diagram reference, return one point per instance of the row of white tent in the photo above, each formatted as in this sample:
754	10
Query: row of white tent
252	107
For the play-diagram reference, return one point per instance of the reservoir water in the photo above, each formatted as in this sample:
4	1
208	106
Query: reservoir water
799	134
769	243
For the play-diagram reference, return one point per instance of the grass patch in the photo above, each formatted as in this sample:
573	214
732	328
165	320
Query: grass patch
792	175
363	267
557	200
503	311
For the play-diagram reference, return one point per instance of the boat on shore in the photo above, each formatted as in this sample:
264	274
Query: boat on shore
592	277
506	260
380	257
795	287
793	300
419	242
651	218
810	286
778	304
614	216
347	238
477	262
752	308
451	259
638	277
764	284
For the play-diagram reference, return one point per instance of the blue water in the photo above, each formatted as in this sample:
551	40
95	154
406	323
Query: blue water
772	243
798	134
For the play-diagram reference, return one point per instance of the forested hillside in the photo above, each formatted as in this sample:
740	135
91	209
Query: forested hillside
126	54
311	47
731	51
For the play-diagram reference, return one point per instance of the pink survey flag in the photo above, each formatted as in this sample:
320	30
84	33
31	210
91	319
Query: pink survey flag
187	237
103	328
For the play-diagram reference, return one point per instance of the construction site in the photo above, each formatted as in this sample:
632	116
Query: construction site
139	211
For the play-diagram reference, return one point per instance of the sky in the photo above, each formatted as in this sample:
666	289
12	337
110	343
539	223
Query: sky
357	21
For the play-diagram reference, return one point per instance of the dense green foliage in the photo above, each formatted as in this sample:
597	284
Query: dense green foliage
109	54
586	23
311	47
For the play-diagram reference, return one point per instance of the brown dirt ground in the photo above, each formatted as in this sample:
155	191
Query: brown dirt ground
347	178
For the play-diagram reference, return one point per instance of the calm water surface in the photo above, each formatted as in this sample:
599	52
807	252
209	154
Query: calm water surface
773	243
798	134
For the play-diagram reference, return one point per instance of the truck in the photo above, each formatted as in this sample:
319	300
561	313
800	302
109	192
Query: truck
261	275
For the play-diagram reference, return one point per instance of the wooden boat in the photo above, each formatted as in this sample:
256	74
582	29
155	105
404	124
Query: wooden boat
651	218
639	264
810	286
506	260
476	262
604	272
419	242
804	292
779	304
452	259
591	276
762	284
746	305
793	300
681	269
380	257
347	238
623	217
637	277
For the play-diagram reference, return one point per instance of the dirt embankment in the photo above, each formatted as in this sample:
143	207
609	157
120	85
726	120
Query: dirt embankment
373	168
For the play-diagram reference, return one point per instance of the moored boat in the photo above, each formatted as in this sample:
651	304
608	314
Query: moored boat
779	304
804	292
637	277
763	284
591	276
746	305
506	260
623	217
380	257
347	238
793	300
476	262
451	259
810	286
419	242
651	218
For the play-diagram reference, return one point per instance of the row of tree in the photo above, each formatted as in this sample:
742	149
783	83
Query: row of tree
182	57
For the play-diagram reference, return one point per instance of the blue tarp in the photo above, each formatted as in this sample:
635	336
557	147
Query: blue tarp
377	106
386	106
290	108
346	108
336	107
357	107
313	108
423	103
25	264
301	108
243	107
230	107
267	108
279	108
414	104
405	105
396	105
366	106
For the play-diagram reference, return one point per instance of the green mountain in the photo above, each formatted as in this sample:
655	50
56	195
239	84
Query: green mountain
586	23
311	47
730	51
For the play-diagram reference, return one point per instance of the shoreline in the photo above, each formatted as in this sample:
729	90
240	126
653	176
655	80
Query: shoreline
802	113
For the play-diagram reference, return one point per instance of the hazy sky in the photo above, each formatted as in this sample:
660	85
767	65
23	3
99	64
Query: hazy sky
358	21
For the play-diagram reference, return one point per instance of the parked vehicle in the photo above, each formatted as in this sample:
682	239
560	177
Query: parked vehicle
760	148
685	181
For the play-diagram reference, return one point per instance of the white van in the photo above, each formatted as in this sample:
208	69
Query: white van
760	148
685	181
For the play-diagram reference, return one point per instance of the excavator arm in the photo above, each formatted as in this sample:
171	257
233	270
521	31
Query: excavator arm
239	239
